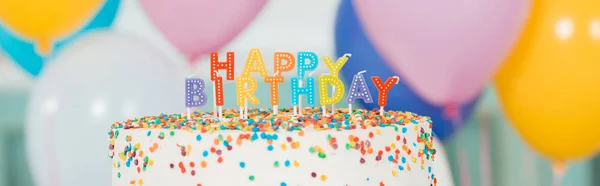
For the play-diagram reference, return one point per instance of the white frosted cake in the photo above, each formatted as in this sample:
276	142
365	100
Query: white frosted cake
359	149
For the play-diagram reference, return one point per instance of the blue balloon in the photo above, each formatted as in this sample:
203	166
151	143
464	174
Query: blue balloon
23	52
350	38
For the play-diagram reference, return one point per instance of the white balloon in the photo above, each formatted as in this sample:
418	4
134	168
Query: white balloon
102	78
441	166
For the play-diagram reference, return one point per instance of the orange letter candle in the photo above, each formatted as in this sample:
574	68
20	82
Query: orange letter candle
383	89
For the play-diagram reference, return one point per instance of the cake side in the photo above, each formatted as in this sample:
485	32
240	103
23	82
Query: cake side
364	149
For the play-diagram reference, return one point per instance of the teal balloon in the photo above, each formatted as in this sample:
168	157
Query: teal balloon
24	54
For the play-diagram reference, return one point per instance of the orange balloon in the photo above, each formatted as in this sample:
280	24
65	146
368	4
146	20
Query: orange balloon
550	86
46	20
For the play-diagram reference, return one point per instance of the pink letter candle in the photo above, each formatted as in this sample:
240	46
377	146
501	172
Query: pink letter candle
358	90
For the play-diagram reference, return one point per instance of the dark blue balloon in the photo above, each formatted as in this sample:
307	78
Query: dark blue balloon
350	38
23	52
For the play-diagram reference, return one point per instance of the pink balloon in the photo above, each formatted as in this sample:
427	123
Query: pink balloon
198	27
444	49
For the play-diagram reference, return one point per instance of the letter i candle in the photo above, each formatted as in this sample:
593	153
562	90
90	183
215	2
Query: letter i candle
301	84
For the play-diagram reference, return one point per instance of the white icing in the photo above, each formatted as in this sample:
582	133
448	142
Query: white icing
340	166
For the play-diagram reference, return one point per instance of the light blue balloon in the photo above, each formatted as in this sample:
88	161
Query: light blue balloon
23	52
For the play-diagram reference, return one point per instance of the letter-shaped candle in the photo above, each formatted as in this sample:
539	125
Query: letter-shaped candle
194	94
274	85
255	63
215	66
288	66
309	91
383	89
334	68
246	93
228	65
303	66
337	96
358	90
324	91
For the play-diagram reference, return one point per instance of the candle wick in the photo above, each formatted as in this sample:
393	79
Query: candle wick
311	73
361	72
397	79
217	72
277	73
192	75
325	74
347	55
230	50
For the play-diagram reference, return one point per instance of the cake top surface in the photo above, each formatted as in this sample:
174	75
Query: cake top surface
263	120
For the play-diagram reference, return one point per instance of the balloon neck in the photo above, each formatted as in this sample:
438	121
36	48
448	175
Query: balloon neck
559	168
44	47
451	111
193	60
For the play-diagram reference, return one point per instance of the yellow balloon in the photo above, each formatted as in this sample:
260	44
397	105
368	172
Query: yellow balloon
550	86
44	21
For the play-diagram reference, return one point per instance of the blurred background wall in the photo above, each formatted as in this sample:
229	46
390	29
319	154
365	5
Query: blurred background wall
485	151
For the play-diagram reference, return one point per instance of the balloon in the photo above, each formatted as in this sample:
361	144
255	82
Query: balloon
23	51
102	78
198	27
350	38
550	86
445	50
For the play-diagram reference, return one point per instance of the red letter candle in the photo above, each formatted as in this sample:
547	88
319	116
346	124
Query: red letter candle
383	89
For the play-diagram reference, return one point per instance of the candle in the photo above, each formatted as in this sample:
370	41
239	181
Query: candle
383	89
297	90
358	90
255	63
334	68
246	86
215	65
278	64
218	96
274	85
324	80
194	87
303	67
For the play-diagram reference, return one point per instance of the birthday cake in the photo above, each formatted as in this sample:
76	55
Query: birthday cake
300	146
359	149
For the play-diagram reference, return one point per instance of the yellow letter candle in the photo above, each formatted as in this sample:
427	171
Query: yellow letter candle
255	63
337	96
246	86
334	68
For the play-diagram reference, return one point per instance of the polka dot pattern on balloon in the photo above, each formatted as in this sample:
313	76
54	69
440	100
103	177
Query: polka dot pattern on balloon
215	65
338	94
274	85
244	92
195	87
359	90
309	90
255	63
303	66
383	88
